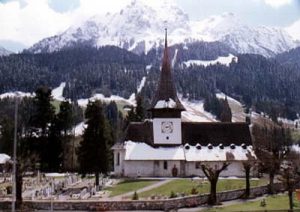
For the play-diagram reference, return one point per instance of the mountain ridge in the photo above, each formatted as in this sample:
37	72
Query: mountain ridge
134	28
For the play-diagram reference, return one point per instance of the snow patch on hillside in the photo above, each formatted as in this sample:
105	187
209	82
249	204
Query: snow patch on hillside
142	84
57	93
221	60
237	109
130	101
79	129
16	94
174	58
195	112
101	97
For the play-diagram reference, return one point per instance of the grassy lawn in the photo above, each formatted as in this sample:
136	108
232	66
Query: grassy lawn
128	186
276	202
186	185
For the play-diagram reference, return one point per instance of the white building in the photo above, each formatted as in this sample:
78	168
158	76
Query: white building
165	146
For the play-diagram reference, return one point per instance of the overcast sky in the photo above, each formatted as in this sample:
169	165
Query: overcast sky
24	22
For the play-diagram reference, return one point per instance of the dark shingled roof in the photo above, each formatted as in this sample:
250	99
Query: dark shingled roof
196	132
166	88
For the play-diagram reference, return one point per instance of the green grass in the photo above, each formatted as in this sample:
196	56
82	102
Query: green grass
295	135
56	105
276	202
129	186
4	185
186	185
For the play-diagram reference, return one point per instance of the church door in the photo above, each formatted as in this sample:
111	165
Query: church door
156	168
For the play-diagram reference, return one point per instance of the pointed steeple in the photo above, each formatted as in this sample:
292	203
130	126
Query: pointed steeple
166	95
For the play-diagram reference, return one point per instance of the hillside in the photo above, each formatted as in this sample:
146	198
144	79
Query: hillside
257	82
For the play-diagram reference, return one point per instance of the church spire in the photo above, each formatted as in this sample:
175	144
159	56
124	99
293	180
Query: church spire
166	95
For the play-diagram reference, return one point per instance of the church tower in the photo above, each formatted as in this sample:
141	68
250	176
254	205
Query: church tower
165	106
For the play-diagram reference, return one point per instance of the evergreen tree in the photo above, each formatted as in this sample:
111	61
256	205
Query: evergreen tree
44	110
93	153
226	114
54	146
6	135
65	117
140	109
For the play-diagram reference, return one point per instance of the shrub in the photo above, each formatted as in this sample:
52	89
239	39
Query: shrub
135	196
194	191
173	195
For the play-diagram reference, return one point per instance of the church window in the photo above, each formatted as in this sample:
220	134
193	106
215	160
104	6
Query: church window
118	159
197	165
165	165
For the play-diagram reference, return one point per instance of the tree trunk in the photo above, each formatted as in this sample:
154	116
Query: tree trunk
290	193
271	182
19	184
247	190
97	179
213	192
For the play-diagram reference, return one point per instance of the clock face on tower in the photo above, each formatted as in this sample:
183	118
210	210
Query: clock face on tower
167	127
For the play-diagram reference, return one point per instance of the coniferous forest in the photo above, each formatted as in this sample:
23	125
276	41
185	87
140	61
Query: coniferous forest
267	85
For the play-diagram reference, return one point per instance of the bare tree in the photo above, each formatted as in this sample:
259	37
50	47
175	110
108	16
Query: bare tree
248	166
270	143
290	174
212	174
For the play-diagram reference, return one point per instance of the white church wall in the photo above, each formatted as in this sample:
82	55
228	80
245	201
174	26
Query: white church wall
150	168
235	169
119	156
139	168
168	171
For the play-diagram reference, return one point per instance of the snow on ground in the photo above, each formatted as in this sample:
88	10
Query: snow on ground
101	97
222	60
142	84
16	94
289	123
79	129
55	174
57	93
238	114
195	112
148	67
174	58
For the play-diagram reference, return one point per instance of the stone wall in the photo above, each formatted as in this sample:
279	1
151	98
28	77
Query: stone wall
182	202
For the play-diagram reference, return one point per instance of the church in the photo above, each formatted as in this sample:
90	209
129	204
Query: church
165	146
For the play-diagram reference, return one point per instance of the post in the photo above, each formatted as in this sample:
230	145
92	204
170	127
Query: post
14	183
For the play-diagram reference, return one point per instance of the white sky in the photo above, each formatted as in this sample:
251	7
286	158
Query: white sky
24	22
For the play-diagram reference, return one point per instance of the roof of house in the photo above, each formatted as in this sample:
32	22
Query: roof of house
204	133
141	151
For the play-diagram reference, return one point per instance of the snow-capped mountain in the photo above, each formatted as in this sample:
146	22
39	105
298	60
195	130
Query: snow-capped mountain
139	28
229	29
4	52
